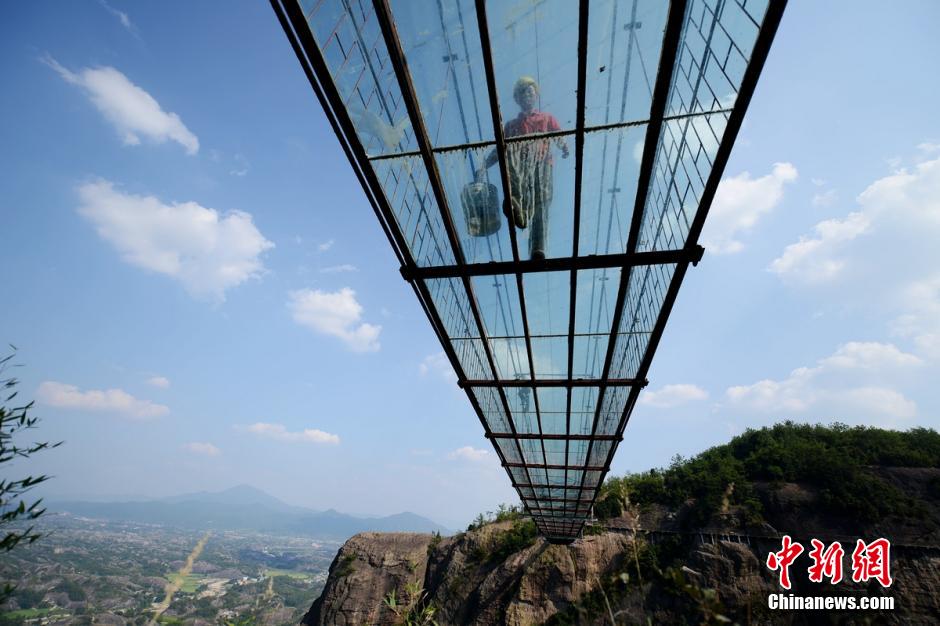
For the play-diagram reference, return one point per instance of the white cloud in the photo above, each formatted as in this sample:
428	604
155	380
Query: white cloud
280	433
838	384
869	355
815	259
928	147
241	166
118	401
206	449
912	193
825	198
739	203
903	209
469	453
159	381
207	251
439	365
121	15
132	111
338	269
326	245
921	319
337	314
879	401
673	395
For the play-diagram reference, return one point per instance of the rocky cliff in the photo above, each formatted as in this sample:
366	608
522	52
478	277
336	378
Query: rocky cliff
641	567
687	544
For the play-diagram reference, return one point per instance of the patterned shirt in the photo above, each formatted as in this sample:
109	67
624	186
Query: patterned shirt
530	124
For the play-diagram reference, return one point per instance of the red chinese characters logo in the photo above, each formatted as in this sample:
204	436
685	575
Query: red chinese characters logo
826	563
869	561
872	560
783	559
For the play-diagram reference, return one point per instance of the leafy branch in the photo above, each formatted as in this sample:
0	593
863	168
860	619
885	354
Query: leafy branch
14	508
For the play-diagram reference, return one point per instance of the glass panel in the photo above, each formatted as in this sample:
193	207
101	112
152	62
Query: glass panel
574	478
547	299
535	42
498	302
597	296
713	54
591	479
608	193
583	407
539	478
577	452
683	163
532	451
550	356
624	44
476	207
522	405
645	295
615	399
453	307
555	452
442	45
509	449
472	358
349	37
542	195
492	407
599	452
553	403
589	355
511	359
557	477
405	183
526	421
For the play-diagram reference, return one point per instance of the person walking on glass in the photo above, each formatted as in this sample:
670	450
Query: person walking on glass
529	164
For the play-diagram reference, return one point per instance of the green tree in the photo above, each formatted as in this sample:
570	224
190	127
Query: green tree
15	511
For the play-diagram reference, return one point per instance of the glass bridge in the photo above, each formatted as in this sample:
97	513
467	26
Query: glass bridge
543	170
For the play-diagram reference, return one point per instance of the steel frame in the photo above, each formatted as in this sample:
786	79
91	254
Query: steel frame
556	527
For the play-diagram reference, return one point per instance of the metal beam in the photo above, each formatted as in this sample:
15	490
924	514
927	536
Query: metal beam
551	437
583	12
585	501
541	486
555	382
559	264
588	130
561	466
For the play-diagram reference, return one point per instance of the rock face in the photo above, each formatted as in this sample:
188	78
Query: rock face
658	573
366	569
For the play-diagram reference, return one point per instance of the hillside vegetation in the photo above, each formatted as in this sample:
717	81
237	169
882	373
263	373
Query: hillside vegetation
836	460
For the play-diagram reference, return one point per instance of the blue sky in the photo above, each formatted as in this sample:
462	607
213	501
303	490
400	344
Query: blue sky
201	295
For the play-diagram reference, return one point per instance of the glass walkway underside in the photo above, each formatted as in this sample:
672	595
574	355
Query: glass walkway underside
609	123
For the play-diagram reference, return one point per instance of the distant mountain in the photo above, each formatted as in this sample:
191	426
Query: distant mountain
237	495
245	508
